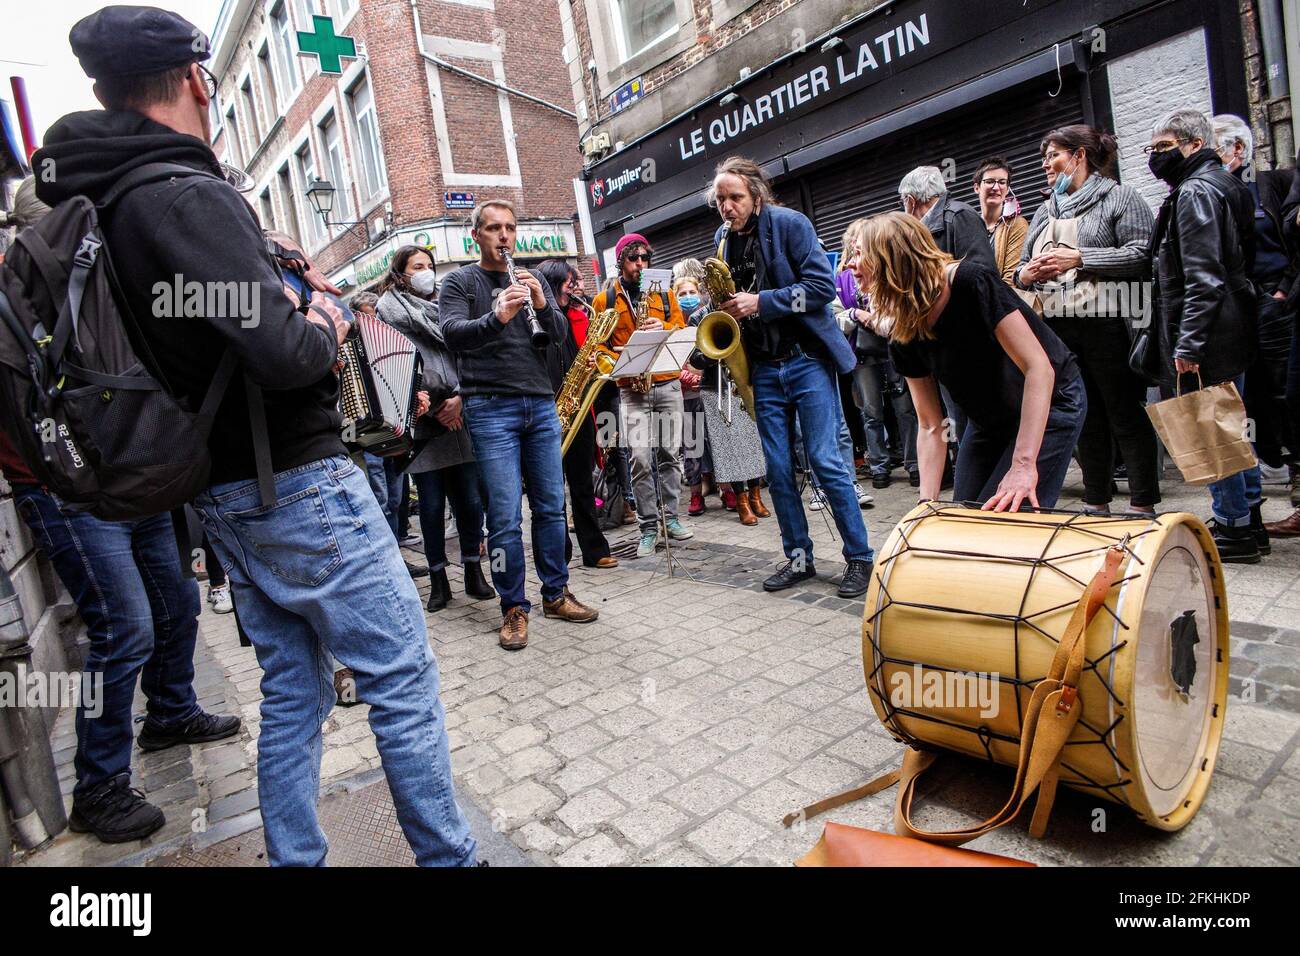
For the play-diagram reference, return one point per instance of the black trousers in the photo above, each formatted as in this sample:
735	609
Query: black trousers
1116	416
579	465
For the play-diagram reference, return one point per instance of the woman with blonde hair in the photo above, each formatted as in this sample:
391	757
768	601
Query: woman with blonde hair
956	323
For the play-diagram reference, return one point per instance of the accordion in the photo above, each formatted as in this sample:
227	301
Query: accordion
381	374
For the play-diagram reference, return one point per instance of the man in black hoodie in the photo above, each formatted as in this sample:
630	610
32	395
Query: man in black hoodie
316	570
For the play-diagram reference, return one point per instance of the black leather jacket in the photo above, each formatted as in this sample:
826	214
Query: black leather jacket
1203	267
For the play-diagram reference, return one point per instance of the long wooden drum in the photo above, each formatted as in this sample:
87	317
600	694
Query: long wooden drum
964	613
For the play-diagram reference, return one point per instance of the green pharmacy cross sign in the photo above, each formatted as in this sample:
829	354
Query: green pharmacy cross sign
325	45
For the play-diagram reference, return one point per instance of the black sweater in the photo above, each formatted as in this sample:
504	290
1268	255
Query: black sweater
200	230
495	358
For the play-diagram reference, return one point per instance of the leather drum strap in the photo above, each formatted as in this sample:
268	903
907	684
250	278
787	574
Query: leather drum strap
1053	710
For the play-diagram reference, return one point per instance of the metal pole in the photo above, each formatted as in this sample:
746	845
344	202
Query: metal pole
1273	36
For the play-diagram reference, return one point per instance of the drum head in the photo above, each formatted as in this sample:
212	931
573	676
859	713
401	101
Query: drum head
1175	679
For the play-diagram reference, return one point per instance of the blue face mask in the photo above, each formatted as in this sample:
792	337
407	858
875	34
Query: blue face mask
1063	180
689	302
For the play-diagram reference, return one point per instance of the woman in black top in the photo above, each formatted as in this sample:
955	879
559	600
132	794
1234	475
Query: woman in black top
959	324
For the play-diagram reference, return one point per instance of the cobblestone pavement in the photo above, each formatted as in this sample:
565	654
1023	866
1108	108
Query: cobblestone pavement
683	725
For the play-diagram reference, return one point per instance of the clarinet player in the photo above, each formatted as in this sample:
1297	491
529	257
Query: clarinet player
492	319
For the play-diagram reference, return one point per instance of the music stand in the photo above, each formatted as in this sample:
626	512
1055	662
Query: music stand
647	354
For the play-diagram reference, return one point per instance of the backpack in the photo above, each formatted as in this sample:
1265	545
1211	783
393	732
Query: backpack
79	392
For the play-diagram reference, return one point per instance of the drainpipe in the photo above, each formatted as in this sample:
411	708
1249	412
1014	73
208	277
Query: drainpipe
28	779
1272	32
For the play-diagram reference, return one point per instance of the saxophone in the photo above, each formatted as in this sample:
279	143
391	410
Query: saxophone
583	382
718	336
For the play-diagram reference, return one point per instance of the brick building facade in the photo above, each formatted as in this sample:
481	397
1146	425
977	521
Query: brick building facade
935	86
410	120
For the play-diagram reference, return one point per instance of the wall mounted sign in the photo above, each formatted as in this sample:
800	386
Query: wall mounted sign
458	200
324	44
625	95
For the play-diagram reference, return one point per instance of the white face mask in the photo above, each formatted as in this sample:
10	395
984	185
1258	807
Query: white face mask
424	282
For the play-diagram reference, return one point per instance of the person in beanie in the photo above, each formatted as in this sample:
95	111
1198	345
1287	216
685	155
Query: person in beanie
663	401
316	572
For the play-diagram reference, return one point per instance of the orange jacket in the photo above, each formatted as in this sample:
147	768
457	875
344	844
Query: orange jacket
627	320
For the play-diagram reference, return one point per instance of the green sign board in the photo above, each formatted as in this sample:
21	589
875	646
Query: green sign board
550	243
323	43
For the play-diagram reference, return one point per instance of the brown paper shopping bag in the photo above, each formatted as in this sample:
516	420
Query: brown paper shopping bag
1205	432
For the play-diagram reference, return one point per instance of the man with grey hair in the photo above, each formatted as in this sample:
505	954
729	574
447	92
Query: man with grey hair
957	228
1204	246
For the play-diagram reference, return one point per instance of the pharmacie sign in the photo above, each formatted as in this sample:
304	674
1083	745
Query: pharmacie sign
532	241
875	50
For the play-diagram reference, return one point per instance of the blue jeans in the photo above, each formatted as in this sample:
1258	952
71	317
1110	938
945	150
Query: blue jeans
460	484
393	486
804	390
1232	497
377	475
516	439
983	458
876	383
318	573
141	616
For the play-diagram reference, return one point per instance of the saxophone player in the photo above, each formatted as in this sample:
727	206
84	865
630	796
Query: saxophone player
784	289
580	459
640	309
509	404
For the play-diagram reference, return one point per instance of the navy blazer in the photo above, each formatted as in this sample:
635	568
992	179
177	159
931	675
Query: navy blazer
799	269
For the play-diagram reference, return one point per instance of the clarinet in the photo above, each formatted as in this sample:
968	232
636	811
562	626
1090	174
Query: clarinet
536	334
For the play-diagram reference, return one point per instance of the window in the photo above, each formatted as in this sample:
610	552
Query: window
340	10
284	185
267	210
640	24
372	179
302	13
232	138
336	166
250	112
214	116
286	42
266	76
306	174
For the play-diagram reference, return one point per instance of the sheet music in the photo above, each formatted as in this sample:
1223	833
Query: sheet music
655	352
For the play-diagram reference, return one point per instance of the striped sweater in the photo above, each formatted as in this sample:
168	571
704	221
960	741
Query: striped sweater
1115	226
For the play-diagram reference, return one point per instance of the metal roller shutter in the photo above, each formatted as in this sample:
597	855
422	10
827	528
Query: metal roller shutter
1011	126
685	239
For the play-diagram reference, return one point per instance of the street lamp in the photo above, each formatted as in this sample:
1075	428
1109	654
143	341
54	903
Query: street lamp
320	193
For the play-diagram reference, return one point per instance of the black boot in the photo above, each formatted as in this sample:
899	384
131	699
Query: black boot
1236	545
115	812
476	585
1257	529
439	590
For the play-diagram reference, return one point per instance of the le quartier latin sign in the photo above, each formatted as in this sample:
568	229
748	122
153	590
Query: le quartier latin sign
876	50
870	59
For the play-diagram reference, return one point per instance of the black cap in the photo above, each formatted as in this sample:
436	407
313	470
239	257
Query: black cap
131	41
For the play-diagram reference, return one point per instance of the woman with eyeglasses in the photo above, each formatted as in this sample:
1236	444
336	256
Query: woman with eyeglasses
1001	213
1084	261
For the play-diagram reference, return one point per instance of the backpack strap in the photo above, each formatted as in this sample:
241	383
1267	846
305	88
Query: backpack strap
261	442
148	173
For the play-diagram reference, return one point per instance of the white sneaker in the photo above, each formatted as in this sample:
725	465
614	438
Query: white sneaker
864	499
219	598
817	502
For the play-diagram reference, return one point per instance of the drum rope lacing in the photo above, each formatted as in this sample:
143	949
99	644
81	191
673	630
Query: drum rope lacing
1077	522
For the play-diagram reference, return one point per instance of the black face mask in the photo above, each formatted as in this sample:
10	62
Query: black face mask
1167	166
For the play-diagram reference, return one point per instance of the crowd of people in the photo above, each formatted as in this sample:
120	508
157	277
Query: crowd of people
961	343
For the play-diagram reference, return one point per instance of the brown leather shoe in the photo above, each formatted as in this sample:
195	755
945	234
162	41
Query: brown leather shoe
514	630
1288	527
756	502
629	516
567	608
608	561
743	510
